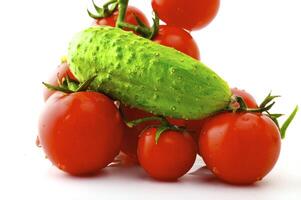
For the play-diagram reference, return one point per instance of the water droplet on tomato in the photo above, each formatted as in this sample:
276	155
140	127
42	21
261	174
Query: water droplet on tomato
215	171
61	166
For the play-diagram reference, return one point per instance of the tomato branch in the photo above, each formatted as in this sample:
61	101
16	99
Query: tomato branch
141	29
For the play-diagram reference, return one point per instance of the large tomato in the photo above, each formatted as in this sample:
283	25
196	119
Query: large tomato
170	158
240	148
188	14
195	126
80	133
179	39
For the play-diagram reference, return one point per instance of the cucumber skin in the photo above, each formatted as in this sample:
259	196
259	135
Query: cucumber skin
146	75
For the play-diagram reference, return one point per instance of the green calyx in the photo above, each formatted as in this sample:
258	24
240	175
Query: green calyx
112	5
68	85
106	10
160	129
264	108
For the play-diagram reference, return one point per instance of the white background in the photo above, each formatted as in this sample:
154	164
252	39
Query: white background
253	44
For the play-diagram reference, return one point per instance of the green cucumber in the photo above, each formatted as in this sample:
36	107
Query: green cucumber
146	75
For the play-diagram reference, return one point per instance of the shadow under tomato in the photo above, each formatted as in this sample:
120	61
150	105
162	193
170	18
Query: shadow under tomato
122	160
99	174
125	167
55	172
205	176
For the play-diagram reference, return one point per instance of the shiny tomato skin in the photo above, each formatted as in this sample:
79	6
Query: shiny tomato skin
60	72
187	14
247	97
80	133
240	148
178	39
131	135
168	160
176	122
129	18
195	126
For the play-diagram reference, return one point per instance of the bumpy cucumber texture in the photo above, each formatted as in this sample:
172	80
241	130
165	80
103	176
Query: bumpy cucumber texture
146	75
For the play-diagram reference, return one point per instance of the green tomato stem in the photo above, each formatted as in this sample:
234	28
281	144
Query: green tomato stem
122	7
146	32
141	29
136	122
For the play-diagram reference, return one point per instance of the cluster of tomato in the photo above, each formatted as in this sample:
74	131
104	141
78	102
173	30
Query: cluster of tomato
83	132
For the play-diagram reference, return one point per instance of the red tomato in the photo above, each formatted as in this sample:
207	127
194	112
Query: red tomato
129	18
168	160
195	126
61	72
188	14
131	135
179	39
176	122
240	148
248	98
80	133
130	139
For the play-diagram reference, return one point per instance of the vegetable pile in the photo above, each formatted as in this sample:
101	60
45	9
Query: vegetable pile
140	90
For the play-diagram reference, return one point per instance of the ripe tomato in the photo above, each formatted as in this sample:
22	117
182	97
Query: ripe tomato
248	98
60	72
80	133
131	135
176	122
179	39
170	158
188	14
195	126
129	18
240	148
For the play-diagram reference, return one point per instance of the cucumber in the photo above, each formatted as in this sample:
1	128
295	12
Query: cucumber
146	75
